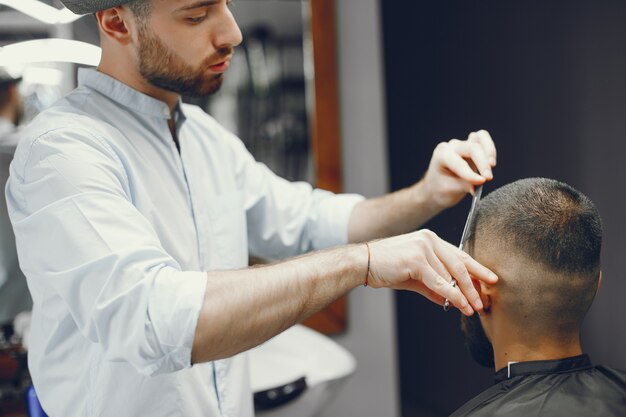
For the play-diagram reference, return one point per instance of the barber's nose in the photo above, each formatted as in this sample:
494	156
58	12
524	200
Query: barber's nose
228	33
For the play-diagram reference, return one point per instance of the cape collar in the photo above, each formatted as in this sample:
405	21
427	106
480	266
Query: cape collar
573	363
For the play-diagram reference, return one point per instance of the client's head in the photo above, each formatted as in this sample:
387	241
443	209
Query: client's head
543	239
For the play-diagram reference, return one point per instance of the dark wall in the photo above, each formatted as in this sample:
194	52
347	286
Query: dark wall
548	80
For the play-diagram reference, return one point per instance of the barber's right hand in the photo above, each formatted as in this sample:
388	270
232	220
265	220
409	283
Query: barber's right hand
424	263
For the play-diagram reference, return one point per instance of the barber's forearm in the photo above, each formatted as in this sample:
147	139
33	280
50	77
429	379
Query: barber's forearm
244	308
450	176
400	212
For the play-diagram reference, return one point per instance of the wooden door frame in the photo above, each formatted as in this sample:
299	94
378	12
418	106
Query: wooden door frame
326	133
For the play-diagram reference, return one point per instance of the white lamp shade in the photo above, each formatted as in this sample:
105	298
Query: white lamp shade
50	50
41	11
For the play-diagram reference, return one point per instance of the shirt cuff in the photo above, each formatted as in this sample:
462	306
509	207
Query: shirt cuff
334	216
174	308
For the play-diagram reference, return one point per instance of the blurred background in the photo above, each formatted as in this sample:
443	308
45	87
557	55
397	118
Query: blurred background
546	78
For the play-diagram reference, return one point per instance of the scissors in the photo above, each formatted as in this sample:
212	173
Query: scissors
470	217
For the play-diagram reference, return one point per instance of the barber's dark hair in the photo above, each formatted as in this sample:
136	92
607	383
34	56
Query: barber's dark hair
140	8
554	232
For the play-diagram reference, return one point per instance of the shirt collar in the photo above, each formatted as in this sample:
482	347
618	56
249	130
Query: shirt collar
124	94
574	363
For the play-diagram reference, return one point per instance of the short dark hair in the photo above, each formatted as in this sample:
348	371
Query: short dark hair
554	232
140	8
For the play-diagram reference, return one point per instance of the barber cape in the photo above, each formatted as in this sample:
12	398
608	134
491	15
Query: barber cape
566	387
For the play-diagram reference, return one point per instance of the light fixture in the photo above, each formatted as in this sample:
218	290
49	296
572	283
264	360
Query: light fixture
43	76
41	11
50	50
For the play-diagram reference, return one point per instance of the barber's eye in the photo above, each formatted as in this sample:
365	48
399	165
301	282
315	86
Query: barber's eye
196	19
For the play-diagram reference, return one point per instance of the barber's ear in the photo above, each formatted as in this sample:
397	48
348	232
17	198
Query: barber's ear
114	24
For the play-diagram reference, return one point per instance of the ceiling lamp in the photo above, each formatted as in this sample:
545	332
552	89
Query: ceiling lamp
41	11
50	50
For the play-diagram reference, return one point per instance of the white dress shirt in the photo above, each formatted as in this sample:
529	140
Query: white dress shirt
114	229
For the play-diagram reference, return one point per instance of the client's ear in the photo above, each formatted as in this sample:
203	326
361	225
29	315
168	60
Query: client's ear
599	283
485	291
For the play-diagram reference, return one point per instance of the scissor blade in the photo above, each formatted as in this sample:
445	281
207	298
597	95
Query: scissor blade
470	217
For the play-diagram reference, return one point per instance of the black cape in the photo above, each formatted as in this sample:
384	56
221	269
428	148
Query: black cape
566	387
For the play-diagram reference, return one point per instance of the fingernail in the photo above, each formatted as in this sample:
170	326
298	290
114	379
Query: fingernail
492	161
493	277
478	304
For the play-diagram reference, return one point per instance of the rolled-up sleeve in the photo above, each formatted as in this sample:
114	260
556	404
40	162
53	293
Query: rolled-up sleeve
87	251
289	218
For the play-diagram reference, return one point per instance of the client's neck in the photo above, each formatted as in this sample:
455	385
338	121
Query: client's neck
517	345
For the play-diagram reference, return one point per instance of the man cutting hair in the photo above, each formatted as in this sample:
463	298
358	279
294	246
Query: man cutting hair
135	215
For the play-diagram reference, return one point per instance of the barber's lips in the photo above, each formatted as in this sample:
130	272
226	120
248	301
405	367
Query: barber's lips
221	66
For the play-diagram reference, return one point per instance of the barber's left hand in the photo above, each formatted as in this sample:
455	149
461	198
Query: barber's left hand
452	170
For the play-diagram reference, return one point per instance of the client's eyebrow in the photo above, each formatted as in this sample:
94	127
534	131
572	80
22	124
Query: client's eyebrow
198	5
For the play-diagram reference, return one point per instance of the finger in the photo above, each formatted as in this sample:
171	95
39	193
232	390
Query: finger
439	267
480	160
415	286
476	284
453	259
476	270
484	138
443	288
452	160
479	272
472	150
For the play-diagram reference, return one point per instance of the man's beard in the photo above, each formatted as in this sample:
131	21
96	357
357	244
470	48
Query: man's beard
162	68
476	340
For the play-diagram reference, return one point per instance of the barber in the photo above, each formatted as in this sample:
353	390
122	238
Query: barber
135	215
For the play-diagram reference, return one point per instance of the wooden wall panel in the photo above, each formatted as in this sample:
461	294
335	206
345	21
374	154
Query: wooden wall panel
325	133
